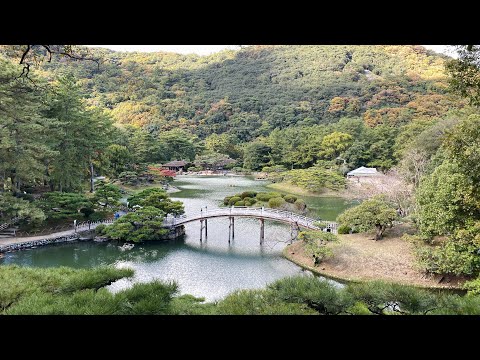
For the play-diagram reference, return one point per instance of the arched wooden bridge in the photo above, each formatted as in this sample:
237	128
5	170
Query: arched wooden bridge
296	221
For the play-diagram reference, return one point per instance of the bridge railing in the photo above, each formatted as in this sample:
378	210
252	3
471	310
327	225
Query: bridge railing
245	210
88	225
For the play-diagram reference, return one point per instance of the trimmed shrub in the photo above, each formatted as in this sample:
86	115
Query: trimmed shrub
248	203
290	198
249	199
100	229
226	200
276	202
240	203
253	201
233	200
300	205
344	229
263	196
250	194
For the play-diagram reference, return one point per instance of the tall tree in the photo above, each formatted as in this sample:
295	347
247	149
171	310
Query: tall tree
24	131
178	145
465	72
81	135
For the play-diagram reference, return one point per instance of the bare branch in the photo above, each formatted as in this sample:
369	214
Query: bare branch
25	54
49	52
62	50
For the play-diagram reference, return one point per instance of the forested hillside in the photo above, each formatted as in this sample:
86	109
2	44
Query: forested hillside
250	92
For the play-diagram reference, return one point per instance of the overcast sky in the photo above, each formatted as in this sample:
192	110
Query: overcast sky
209	49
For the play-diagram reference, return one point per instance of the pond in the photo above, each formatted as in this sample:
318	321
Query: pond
210	269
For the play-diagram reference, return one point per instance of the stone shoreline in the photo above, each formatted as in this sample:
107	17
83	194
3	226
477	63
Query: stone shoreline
42	242
87	235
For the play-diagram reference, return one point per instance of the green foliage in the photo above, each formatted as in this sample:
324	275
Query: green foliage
316	244
212	161
157	198
319	295
117	160
250	194
444	200
258	302
11	206
100	215
27	290
274	169
264	196
142	225
473	287
375	213
300	205
276	202
67	291
314	179
334	144
107	194
177	144
80	135
344	229
458	305
240	203
226	200
100	229
195	168
223	144
385	298
128	177
152	298
465	73
256	155
457	255
462	147
233	200
58	205
290	198
26	133
267	87
191	305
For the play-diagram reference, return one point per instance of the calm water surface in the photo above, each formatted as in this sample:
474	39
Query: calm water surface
209	269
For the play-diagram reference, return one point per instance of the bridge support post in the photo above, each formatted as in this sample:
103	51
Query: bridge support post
206	229
231	228
294	229
262	231
201	229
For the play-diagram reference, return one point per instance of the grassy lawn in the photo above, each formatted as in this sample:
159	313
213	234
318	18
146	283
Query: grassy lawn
359	258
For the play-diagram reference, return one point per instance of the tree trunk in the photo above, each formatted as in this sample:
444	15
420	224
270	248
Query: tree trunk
379	232
92	188
47	173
